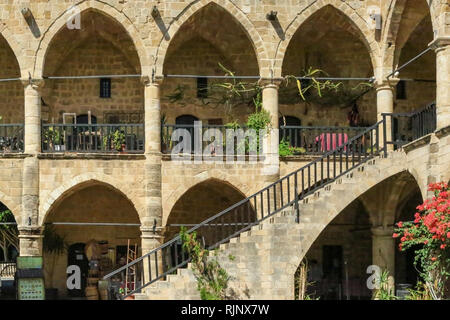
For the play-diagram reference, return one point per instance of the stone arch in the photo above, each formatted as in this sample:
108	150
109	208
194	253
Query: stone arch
361	188
15	47
204	200
102	8
83	180
342	7
392	28
192	182
252	34
12	205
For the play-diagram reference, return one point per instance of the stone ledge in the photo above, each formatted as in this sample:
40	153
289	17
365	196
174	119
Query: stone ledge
13	155
442	132
91	156
417	143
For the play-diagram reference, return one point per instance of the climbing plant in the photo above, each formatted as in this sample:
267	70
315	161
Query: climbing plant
212	279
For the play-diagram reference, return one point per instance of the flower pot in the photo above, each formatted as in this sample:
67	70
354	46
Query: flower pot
129	298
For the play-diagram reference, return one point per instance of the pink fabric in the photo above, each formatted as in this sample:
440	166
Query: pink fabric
333	141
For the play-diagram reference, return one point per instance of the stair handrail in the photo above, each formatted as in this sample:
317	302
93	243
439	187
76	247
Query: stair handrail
372	133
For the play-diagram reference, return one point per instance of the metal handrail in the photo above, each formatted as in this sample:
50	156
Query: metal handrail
418	124
93	138
362	147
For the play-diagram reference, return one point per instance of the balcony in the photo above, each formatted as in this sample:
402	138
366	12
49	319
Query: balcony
93	138
300	139
11	138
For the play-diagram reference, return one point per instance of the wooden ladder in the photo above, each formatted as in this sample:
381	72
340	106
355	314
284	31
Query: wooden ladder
130	274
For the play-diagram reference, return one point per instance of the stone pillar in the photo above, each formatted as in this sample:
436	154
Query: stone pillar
30	239
271	140
442	47
385	104
152	217
33	116
383	251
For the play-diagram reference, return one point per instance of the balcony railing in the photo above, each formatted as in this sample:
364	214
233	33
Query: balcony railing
303	140
407	127
7	270
93	138
11	138
317	140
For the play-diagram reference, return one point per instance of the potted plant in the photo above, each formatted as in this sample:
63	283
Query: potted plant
115	141
53	245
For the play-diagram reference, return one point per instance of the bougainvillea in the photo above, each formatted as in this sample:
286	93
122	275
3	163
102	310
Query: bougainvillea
430	231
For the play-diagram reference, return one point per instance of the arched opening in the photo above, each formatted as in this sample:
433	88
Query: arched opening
197	48
406	274
102	48
339	257
338	49
97	223
203	201
9	250
417	87
12	101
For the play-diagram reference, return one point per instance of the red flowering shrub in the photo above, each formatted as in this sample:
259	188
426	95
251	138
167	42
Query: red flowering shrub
431	230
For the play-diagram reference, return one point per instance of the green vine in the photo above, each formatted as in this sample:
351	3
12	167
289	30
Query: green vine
212	279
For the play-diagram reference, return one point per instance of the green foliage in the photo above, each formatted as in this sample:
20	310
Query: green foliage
51	136
212	279
116	140
421	292
285	149
178	95
7	216
53	243
385	292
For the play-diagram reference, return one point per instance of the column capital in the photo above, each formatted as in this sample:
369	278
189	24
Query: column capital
151	232
147	80
270	82
30	231
439	43
382	231
36	84
385	84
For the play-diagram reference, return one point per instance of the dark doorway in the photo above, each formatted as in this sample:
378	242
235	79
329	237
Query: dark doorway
187	122
76	256
289	130
332	272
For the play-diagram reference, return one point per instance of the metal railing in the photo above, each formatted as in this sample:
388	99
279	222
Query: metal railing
214	145
102	138
240	217
317	140
407	127
305	140
7	270
11	138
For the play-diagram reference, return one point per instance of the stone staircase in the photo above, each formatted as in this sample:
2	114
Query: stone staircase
262	261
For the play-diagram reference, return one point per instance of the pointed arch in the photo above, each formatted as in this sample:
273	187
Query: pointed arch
84	180
16	48
250	30
102	8
360	25
395	14
12	205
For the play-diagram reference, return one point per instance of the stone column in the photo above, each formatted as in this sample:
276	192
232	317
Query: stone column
271	140
385	104
33	116
151	221
29	231
442	47
383	251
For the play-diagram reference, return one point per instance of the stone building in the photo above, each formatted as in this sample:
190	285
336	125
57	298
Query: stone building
74	73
